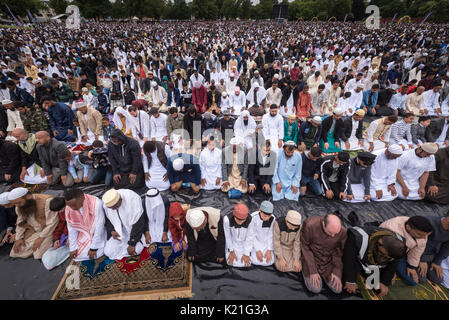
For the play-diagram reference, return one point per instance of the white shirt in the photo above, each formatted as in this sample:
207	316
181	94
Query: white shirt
158	127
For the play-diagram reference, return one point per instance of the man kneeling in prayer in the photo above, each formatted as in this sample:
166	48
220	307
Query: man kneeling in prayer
206	243
360	177
239	235
126	224
85	223
287	242
263	221
371	247
35	223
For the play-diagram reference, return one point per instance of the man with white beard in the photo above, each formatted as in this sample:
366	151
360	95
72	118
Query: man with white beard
126	223
273	128
210	164
245	128
237	100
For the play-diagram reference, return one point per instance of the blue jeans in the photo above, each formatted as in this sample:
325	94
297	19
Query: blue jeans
314	185
102	173
402	272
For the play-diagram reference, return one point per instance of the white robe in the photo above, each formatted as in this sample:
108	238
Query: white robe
353	140
99	237
431	102
261	94
378	144
143	127
263	240
130	212
210	164
158	127
273	129
240	240
383	173
237	101
245	133
155	209
412	167
157	170
32	178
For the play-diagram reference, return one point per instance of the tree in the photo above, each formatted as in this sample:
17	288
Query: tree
19	7
94	9
358	9
58	5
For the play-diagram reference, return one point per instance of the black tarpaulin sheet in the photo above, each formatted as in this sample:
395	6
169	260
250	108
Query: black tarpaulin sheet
28	279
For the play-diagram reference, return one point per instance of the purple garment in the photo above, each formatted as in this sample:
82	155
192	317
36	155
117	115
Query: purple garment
63	240
180	242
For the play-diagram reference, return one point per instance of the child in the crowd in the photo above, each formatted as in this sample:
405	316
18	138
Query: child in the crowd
57	254
103	101
107	128
78	170
177	226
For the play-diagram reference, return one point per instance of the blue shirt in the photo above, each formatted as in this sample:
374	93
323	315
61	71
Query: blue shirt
365	100
288	171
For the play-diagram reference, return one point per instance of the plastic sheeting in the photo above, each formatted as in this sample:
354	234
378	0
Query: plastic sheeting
28	279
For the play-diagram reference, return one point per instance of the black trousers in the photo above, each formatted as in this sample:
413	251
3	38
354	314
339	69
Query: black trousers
125	184
14	177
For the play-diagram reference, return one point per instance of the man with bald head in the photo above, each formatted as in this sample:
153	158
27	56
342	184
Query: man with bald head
50	150
322	243
32	171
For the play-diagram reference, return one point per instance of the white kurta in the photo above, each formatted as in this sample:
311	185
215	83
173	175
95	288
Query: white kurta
263	240
345	104
442	138
412	167
240	240
158	127
430	102
210	164
99	236
157	170
238	102
245	133
383	173
273	129
290	104
123	220
142	126
378	144
155	209
260	95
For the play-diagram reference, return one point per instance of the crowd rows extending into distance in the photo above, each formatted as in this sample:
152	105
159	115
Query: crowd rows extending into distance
330	109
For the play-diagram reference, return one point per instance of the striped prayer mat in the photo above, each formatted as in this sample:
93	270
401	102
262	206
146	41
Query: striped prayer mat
158	273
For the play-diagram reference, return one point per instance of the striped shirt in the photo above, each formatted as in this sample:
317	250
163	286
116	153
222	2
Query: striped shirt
399	130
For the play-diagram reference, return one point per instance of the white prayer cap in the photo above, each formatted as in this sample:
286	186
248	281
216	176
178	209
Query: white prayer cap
293	217
17	193
178	164
395	149
6	101
257	71
4	198
276	76
197	84
346	57
234	141
316	119
35	81
224	93
421	66
80	104
430	147
84	89
195	217
110	198
27	50
318	57
153	83
256	85
338	111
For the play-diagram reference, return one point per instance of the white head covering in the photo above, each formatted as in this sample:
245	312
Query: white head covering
430	147
234	141
4	198
178	164
316	119
118	122
17	193
338	111
195	217
153	84
256	85
155	208
395	149
197	84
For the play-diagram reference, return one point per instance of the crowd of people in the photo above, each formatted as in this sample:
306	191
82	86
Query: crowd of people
287	110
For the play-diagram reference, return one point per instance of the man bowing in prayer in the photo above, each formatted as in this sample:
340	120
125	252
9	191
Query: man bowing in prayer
383	174
35	223
360	177
85	223
322	243
126	224
206	242
438	182
287	242
335	175
413	171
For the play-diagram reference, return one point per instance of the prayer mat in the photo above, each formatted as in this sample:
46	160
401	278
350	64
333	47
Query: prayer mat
401	291
33	188
158	273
